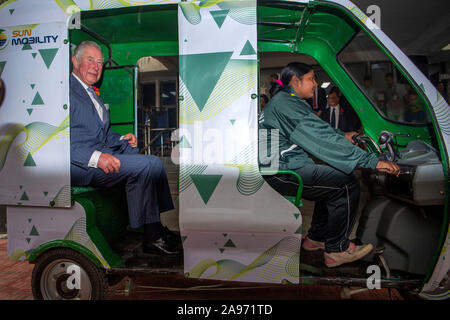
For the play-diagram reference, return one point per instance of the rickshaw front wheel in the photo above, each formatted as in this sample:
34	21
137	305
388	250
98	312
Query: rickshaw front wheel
65	274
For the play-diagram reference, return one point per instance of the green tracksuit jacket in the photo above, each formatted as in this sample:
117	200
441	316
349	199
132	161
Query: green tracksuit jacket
302	133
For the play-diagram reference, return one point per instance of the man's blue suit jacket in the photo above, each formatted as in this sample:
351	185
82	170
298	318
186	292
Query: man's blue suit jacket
89	133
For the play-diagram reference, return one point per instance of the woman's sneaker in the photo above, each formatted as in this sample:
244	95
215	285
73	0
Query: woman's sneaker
311	245
353	253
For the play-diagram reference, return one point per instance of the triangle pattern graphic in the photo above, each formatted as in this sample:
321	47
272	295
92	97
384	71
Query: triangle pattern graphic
221	250
219	16
48	55
24	196
299	230
229	244
184	143
233	121
32	85
206	184
34	232
29	110
201	72
45	193
26	46
37	100
248	49
2	67
28	240
11	11
29	162
34	54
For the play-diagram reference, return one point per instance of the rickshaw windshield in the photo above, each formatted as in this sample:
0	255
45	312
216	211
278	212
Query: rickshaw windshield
383	84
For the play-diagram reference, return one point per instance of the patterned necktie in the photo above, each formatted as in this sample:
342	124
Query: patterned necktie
100	102
333	117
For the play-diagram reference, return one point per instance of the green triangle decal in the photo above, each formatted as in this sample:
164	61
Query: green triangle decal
224	234
233	121
248	49
34	54
2	67
29	110
219	16
184	143
11	11
28	240
296	215
29	220
37	100
32	85
183	238
24	196
229	244
221	250
45	193
29	162
34	232
201	72
206	184
299	230
48	55
26	46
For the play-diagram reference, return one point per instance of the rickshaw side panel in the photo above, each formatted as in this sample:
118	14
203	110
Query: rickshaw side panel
34	116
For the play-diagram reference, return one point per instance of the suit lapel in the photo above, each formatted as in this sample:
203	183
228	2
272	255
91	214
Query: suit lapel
78	89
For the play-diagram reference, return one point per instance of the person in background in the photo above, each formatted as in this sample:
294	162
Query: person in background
369	89
441	88
336	116
319	100
352	122
263	101
395	95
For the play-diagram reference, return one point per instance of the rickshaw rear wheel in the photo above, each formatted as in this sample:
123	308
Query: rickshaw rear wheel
65	274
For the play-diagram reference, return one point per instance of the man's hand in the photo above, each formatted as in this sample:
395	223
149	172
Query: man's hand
349	135
389	167
108	163
131	139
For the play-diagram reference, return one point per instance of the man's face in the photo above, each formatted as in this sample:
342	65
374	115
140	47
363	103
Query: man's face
89	68
304	87
333	99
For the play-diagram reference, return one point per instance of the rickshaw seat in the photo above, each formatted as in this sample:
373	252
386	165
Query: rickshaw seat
80	190
106	207
297	200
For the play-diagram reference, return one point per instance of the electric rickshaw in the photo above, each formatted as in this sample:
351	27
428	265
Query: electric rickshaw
202	122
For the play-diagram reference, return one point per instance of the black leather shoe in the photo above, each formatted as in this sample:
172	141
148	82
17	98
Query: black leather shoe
171	236
161	246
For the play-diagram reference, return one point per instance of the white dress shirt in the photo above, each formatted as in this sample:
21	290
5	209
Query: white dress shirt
336	110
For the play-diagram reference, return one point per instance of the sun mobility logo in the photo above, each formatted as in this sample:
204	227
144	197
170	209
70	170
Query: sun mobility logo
3	39
21	37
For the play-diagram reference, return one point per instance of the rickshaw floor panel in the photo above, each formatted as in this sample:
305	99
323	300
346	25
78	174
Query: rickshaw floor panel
129	249
314	270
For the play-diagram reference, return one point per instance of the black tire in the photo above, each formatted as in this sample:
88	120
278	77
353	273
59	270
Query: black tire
49	277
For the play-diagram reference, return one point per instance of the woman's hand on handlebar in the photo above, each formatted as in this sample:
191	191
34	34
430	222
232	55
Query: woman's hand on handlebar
388	167
349	136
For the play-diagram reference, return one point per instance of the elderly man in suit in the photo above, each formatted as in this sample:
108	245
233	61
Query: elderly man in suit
102	158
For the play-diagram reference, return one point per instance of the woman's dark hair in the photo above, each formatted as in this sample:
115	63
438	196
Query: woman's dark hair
298	69
276	87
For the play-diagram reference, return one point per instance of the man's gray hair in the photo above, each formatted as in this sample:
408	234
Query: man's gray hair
79	50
